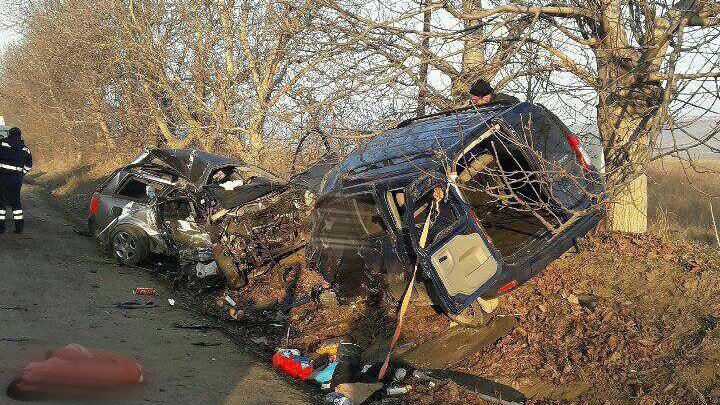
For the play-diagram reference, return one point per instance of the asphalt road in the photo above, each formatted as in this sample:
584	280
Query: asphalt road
65	290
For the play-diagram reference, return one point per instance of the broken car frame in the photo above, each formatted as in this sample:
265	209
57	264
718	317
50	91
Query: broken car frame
518	189
210	212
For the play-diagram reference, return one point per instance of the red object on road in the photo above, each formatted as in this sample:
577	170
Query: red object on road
292	365
144	291
74	371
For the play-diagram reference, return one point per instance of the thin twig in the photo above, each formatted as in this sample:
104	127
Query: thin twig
712	214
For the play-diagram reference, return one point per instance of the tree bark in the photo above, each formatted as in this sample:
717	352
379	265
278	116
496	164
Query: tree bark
625	163
424	66
627	108
473	53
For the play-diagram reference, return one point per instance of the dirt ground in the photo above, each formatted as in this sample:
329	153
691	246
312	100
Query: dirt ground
57	288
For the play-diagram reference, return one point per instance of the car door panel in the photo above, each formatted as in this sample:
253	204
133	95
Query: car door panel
463	263
458	257
180	219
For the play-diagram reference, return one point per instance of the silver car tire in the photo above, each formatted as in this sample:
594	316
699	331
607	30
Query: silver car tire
129	245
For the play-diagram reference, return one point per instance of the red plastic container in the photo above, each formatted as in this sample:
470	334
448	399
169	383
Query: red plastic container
291	366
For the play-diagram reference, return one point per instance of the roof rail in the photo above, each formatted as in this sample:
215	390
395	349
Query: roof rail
450	111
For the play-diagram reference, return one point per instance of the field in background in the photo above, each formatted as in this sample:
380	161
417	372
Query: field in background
679	199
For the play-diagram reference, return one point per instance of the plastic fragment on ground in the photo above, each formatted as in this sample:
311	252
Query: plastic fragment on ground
325	375
358	392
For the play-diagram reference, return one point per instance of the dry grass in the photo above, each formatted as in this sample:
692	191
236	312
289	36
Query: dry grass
680	196
653	339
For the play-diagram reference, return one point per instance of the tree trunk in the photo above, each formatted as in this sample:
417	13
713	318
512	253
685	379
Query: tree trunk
626	127
627	110
473	53
423	77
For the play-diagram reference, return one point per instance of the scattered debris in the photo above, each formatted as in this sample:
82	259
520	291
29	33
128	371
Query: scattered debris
259	340
406	345
11	308
14	339
196	326
395	391
229	300
291	363
235	313
336	398
329	347
144	291
203	270
357	393
206	344
487	389
324	375
135	304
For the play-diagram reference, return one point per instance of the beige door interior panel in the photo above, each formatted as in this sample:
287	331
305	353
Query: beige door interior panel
464	264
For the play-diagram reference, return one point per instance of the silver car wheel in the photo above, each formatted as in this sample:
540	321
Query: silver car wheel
125	246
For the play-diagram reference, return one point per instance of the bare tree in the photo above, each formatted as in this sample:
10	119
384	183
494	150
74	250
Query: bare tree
640	65
250	77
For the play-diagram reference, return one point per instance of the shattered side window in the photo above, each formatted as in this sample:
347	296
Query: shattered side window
136	190
370	219
440	219
351	217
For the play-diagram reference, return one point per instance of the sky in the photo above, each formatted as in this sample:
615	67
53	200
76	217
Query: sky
7	36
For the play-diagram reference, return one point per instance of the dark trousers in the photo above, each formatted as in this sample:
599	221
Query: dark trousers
10	185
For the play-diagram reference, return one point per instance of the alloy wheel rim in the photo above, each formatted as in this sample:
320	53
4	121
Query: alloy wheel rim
125	246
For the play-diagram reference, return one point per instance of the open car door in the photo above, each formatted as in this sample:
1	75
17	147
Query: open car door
456	253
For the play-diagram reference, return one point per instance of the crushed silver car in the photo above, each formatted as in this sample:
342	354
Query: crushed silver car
161	203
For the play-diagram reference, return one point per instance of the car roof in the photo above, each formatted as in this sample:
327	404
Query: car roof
411	146
424	135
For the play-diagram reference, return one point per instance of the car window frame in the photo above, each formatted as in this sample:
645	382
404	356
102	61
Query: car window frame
363	235
128	178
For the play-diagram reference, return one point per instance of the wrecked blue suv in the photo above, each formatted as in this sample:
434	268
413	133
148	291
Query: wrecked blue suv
517	190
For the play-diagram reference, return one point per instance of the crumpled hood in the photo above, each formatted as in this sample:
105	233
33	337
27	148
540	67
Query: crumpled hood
241	195
192	165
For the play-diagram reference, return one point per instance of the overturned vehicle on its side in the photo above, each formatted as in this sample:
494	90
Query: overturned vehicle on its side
211	213
480	198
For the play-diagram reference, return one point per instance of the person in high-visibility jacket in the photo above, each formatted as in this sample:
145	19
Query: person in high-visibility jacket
15	162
